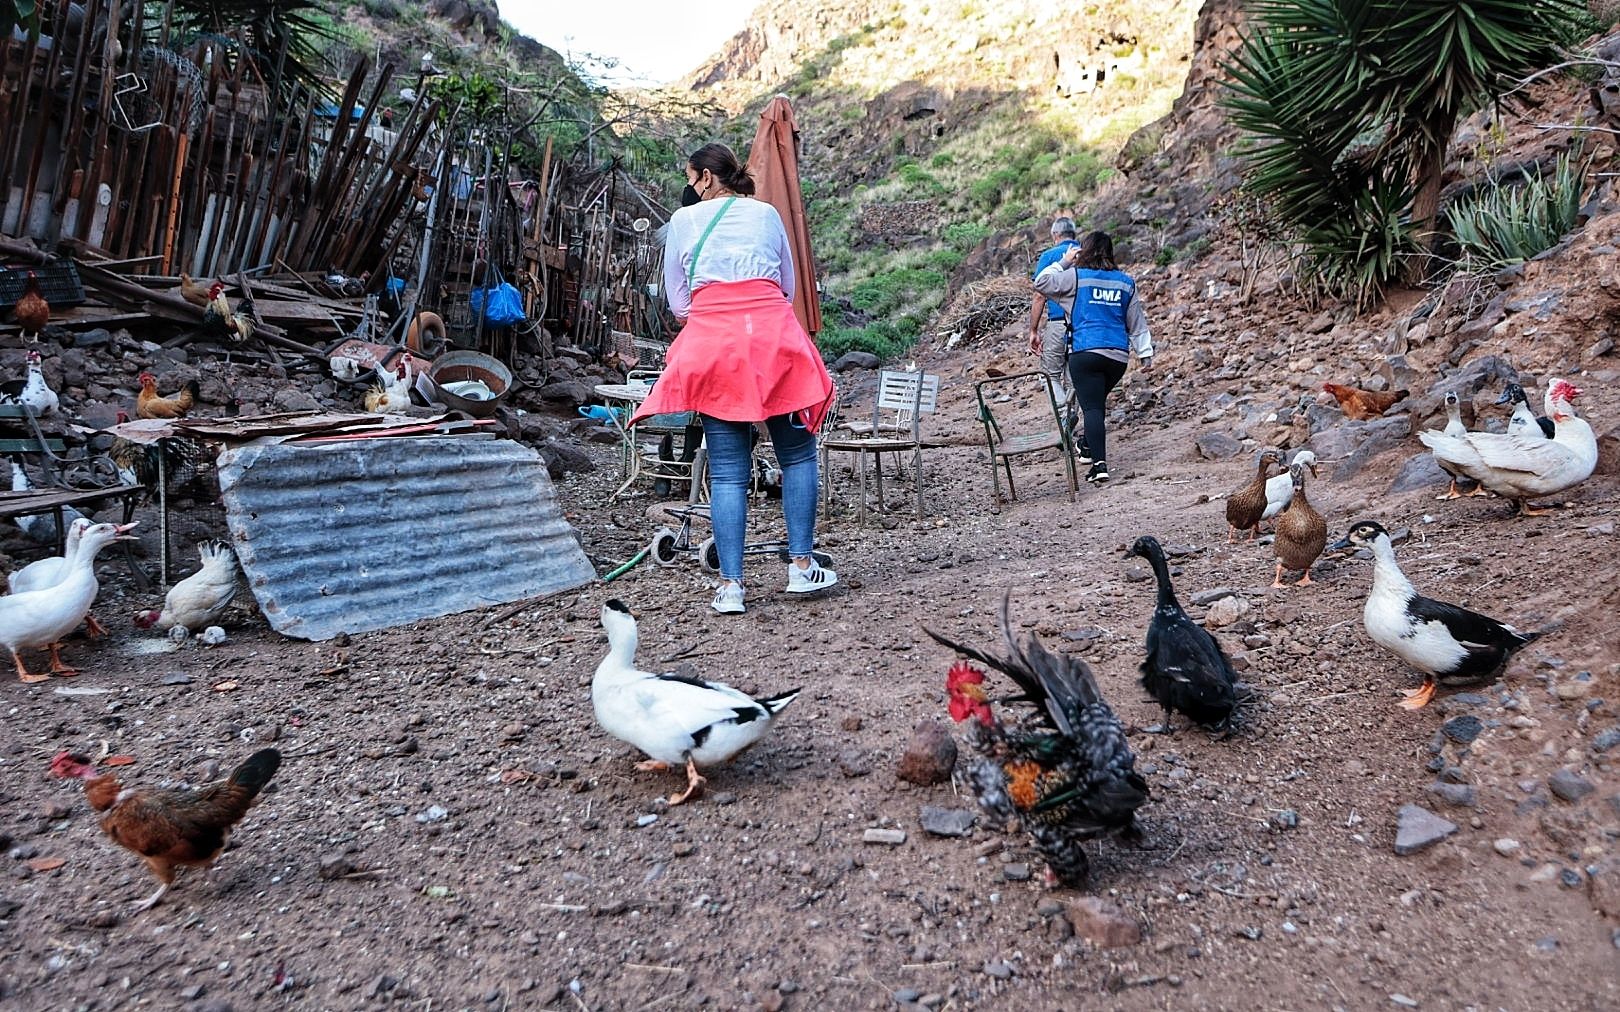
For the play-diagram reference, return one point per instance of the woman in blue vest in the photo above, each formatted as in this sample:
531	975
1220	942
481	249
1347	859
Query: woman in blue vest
1106	325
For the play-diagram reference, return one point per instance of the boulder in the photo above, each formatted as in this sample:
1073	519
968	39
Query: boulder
946	821
1227	611
1488	372
1352	444
294	399
1218	446
856	360
561	458
1422	471
570	392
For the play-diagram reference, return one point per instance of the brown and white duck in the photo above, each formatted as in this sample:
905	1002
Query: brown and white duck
1301	532
1247	505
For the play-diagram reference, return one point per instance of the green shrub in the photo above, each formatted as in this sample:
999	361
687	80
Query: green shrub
918	180
884	293
942	160
1509	224
883	338
945	260
964	235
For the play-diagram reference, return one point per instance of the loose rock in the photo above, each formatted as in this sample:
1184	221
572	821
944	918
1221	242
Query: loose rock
946	821
1103	923
930	756
1567	785
1417	829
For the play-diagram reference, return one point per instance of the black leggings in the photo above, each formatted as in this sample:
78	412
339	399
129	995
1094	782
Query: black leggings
1093	377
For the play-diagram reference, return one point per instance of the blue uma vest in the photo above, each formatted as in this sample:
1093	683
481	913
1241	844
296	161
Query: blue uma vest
1100	301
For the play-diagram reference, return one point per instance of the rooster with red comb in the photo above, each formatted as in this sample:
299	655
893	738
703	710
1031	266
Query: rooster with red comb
1067	773
1522	467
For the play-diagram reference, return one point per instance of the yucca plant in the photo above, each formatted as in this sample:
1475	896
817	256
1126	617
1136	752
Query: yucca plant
281	39
1348	106
1510	223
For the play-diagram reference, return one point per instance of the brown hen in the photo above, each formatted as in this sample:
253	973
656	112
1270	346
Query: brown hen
170	828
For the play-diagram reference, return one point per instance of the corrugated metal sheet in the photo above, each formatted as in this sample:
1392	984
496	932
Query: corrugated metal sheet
372	533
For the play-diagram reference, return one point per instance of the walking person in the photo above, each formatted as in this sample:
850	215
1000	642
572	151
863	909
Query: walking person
1048	325
1107	325
742	357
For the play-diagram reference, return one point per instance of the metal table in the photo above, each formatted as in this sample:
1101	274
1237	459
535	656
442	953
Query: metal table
630	396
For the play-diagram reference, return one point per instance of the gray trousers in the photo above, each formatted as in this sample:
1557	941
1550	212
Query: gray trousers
1055	360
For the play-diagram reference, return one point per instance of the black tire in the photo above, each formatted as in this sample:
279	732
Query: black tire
663	547
709	556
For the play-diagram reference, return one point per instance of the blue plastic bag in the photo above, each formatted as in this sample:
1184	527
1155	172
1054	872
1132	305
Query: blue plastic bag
502	306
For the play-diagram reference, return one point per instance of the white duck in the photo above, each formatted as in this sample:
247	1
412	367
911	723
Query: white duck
1519	466
1456	430
1449	644
34	391
1280	487
673	718
40	618
40	527
43	573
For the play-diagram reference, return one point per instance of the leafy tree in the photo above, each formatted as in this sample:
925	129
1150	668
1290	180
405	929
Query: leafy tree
1349	105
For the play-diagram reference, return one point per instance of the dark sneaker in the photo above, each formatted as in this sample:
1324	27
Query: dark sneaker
1099	472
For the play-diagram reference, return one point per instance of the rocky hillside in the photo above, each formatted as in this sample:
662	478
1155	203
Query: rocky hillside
929	128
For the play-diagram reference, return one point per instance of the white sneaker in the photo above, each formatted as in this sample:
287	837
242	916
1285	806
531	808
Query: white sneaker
728	600
809	579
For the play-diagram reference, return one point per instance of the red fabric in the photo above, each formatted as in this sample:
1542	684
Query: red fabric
742	357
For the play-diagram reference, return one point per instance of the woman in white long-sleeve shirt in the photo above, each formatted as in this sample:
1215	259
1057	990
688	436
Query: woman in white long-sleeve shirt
741	358
1106	325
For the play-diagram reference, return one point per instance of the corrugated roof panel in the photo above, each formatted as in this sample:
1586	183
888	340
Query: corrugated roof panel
372	533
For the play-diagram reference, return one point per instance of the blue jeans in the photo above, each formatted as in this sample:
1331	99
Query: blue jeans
731	460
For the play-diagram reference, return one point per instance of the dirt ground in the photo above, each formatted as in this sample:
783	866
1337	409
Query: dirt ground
450	829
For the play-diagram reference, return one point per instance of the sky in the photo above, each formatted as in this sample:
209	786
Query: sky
654	41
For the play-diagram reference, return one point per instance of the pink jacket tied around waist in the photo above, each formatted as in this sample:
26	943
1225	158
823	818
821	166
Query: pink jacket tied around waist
742	357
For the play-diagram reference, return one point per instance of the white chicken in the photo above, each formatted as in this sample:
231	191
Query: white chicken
197	601
392	394
33	391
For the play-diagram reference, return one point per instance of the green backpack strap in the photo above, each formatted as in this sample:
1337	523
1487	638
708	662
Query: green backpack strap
691	266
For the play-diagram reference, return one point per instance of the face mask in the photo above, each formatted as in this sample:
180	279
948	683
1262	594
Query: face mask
689	196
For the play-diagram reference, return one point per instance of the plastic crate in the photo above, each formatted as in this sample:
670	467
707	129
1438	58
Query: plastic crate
58	283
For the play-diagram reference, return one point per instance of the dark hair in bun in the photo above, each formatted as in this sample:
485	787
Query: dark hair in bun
722	161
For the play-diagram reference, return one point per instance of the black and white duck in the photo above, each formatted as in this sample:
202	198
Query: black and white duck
675	719
1449	644
1524	420
1185	669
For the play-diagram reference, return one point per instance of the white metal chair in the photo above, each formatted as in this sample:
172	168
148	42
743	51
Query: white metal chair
895	427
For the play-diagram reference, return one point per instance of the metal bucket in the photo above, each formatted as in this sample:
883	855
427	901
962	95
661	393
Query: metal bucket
457	366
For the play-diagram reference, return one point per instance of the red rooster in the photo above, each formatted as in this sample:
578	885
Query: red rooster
169	828
32	311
